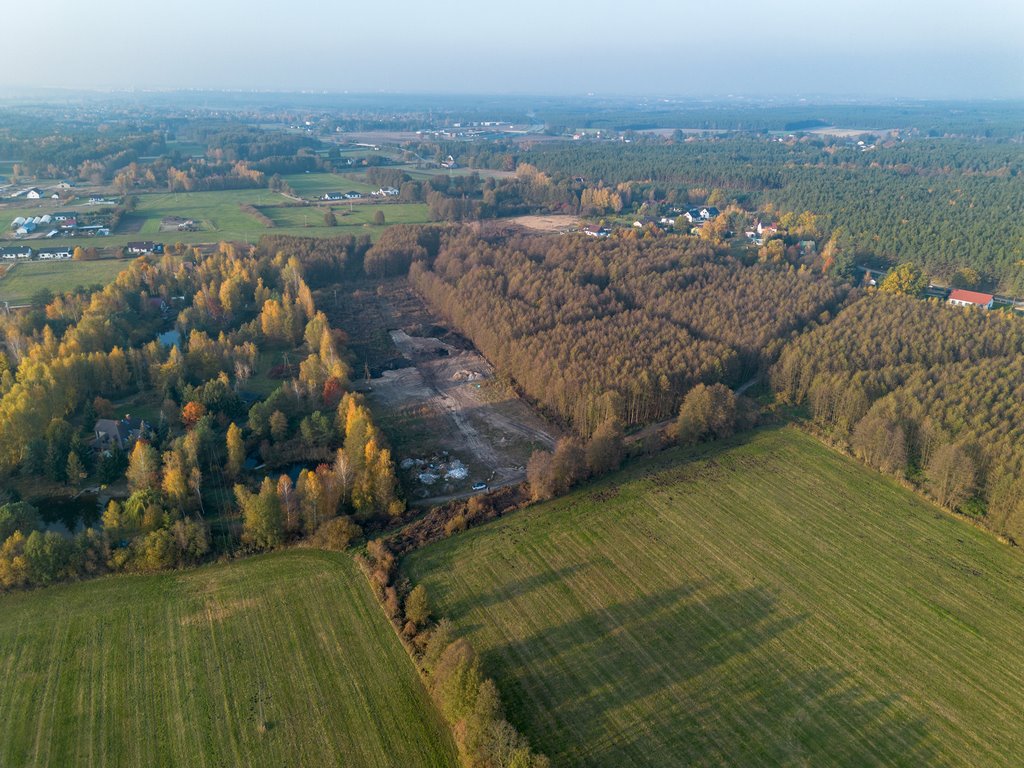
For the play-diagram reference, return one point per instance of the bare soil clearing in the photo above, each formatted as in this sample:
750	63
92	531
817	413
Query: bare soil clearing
548	223
450	420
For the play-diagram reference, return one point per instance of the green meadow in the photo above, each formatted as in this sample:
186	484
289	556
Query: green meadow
283	660
765	603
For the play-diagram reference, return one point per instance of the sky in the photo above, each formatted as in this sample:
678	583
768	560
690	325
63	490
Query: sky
906	48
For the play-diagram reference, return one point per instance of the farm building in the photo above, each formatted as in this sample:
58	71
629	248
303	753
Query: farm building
961	298
144	246
18	221
353	195
10	254
65	216
332	196
34	194
54	253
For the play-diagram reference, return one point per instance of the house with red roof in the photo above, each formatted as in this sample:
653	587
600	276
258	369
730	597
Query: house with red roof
962	298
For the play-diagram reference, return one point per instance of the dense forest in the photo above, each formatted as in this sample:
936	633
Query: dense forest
925	391
593	330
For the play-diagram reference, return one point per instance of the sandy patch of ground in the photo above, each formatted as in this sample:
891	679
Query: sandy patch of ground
547	223
448	408
849	133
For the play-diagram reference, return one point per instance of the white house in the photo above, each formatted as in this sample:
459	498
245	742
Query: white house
706	213
54	253
961	298
34	193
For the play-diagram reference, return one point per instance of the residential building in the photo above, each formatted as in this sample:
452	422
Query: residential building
11	254
961	298
119	433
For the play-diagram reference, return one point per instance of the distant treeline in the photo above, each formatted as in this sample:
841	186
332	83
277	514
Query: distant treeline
942	204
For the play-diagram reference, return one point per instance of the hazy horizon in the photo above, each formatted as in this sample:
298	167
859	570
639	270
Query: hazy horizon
936	50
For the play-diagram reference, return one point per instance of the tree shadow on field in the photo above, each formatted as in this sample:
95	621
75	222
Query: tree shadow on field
510	590
697	675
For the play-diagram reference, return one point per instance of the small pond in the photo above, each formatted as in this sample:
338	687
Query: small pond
171	338
68	514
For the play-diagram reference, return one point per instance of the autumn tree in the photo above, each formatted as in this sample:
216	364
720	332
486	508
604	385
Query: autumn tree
236	451
417	609
605	448
191	413
175	478
906	279
951	475
278	426
539	476
263	525
143	470
706	412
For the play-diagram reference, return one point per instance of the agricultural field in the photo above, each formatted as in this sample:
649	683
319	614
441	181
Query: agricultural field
360	215
219	216
313	185
24	280
769	602
283	659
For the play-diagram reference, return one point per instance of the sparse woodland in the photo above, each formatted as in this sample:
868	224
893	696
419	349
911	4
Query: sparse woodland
67	363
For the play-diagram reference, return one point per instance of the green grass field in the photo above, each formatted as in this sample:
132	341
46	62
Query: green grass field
181	668
312	185
350	220
25	280
220	217
771	603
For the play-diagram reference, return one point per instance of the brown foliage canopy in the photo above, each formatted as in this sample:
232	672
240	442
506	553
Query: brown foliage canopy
620	328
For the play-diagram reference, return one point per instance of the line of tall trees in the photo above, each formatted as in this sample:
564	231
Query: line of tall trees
928	392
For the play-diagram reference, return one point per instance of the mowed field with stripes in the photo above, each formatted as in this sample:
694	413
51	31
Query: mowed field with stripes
765	603
282	660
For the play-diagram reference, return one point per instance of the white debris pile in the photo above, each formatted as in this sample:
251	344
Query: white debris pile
456	471
429	470
467	376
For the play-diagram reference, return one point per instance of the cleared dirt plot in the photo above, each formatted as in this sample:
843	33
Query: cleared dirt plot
549	223
461	426
278	660
451	422
765	603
